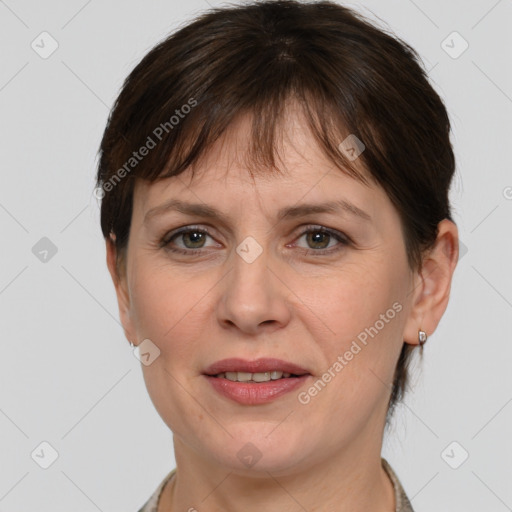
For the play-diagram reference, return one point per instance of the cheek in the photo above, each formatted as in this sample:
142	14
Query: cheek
358	314
359	350
167	307
154	305
347	301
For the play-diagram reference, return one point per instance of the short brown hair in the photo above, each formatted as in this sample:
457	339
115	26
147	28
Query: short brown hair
349	77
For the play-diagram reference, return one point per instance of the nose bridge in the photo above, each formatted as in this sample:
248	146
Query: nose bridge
251	294
250	267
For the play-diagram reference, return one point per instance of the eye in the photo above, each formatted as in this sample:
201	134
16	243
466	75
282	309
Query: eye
319	238
191	236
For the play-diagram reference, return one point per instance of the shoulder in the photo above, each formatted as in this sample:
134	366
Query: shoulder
402	501
151	504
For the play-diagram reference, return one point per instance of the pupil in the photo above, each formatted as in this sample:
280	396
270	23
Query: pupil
317	236
194	234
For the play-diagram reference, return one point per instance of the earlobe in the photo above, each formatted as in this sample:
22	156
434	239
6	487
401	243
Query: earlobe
432	285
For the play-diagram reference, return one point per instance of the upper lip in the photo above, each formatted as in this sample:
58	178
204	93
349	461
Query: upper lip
261	365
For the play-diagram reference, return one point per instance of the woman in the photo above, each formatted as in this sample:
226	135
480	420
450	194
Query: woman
275	182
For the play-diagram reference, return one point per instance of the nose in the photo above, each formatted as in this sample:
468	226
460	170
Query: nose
254	297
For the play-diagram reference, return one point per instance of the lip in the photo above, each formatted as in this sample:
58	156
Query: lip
264	364
254	393
257	392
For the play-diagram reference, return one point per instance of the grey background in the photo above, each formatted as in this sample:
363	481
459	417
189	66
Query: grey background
67	374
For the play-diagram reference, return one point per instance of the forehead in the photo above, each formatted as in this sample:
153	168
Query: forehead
227	169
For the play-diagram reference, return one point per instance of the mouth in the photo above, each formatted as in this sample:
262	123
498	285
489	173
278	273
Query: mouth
259	370
256	377
255	382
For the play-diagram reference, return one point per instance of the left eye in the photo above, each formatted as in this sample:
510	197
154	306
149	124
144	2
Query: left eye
319	238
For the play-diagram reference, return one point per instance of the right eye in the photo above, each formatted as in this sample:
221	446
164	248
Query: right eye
192	237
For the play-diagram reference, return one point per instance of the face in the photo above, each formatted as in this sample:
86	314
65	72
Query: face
326	291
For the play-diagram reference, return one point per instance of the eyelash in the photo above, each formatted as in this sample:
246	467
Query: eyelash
343	239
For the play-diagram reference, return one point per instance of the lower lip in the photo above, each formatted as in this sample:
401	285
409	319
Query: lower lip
254	393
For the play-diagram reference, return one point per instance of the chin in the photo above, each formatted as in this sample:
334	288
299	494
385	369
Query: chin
265	450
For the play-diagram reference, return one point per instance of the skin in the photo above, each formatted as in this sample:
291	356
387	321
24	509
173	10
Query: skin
308	309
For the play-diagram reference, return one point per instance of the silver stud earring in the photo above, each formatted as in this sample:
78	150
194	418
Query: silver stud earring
131	344
422	337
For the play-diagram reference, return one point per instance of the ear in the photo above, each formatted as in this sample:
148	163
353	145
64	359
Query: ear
118	274
432	284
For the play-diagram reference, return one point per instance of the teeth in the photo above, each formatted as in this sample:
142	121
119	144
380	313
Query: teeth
253	377
261	377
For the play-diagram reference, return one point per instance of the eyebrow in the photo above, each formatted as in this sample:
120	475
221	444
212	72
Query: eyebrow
290	212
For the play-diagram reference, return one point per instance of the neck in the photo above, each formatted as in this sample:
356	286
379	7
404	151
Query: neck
352	480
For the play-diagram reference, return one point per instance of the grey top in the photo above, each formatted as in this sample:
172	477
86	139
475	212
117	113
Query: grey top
402	501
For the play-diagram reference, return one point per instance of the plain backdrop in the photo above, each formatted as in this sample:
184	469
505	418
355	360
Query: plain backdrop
68	378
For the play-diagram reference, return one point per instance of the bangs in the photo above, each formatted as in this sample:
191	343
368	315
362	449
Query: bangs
268	105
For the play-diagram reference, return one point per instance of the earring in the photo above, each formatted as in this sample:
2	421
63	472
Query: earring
422	337
131	344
